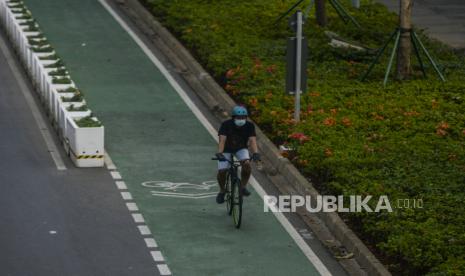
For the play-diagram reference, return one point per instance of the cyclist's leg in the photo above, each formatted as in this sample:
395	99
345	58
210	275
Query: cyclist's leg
244	156
223	167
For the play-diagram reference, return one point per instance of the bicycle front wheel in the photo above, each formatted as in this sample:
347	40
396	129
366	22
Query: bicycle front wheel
236	203
228	194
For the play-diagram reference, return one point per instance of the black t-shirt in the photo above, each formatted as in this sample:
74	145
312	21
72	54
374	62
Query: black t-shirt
236	137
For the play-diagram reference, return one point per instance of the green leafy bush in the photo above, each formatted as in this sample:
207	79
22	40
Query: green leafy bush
88	121
59	63
24	16
50	57
32	28
69	90
18	9
37	42
61	80
80	108
76	98
403	141
59	72
42	49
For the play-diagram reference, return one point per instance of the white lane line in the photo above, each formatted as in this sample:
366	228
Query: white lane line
159	65
309	253
43	127
138	218
132	206
157	256
126	195
144	230
151	243
110	165
164	270
121	185
116	175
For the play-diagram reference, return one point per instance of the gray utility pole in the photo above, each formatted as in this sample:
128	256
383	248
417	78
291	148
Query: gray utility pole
297	52
298	67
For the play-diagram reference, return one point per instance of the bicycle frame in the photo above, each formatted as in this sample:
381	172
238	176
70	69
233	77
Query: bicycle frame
233	194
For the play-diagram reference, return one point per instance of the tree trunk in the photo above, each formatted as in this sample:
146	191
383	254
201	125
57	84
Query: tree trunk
321	13
405	47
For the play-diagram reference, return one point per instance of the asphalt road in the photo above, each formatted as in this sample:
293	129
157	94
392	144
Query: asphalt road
57	222
443	20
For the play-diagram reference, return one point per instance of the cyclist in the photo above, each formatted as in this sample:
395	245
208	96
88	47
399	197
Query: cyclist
234	137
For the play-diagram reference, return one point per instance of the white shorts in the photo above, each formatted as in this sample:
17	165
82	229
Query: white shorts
240	155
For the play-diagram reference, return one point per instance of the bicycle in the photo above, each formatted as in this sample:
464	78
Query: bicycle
233	194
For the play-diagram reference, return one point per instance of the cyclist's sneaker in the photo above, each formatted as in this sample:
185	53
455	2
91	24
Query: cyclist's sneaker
220	198
245	192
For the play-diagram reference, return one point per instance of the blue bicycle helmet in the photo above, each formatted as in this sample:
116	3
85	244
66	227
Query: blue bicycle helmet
239	111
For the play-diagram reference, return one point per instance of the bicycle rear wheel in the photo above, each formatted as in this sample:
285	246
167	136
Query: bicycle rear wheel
236	203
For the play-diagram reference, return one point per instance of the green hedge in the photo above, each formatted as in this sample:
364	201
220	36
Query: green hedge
404	141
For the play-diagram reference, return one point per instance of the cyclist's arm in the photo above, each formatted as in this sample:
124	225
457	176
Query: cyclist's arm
253	144
221	143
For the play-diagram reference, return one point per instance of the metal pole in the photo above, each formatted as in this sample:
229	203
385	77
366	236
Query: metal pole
394	50
429	57
378	55
298	67
417	53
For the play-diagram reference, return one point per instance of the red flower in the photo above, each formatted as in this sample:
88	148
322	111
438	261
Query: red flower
441	132
271	69
441	128
299	136
314	94
309	109
443	125
377	116
330	121
346	121
253	102
230	73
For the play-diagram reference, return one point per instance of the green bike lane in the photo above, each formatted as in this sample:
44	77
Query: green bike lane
152	135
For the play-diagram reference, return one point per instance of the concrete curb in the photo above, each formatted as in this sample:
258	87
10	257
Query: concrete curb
218	101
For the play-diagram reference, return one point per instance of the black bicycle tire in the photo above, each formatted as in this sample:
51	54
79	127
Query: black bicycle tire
228	195
238	221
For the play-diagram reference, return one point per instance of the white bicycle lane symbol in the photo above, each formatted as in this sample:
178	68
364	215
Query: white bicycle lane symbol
182	189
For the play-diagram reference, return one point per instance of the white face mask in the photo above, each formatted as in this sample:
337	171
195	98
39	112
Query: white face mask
239	123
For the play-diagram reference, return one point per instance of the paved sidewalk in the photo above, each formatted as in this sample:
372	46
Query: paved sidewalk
443	20
56	219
